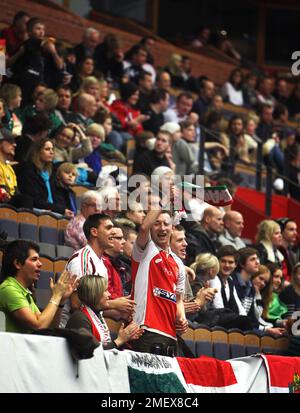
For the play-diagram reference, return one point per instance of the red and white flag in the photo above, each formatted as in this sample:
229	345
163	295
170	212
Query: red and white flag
283	373
209	375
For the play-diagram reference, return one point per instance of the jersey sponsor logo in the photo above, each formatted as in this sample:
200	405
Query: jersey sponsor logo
166	295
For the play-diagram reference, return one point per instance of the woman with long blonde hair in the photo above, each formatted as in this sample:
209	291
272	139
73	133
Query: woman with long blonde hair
268	239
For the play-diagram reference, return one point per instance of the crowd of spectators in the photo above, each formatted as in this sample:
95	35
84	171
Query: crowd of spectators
63	111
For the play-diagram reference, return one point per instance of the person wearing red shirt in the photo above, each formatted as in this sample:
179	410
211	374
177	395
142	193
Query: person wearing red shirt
158	278
15	34
110	256
124	108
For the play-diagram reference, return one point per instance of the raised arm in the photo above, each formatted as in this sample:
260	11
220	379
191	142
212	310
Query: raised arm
144	232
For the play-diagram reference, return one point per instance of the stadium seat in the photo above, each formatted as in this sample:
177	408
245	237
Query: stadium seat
11	227
28	225
64	251
59	266
47	263
48	231
61	227
220	343
42	289
252	343
9	221
268	344
188	335
203	343
47	249
282	344
236	341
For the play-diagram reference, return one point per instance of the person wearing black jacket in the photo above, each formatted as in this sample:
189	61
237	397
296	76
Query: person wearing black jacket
226	296
203	237
63	194
34	178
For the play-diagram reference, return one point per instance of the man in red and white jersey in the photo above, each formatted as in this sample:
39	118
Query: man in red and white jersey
158	277
99	232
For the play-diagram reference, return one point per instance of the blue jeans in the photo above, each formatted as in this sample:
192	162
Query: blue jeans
118	139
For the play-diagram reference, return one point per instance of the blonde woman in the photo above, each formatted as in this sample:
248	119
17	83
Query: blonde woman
263	286
268	239
94	297
206	267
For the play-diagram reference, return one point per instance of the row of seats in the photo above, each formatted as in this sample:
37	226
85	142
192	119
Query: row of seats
227	344
38	227
51	268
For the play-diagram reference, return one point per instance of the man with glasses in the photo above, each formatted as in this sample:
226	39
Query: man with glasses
115	269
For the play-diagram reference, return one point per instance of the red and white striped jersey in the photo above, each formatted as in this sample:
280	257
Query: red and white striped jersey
157	276
86	262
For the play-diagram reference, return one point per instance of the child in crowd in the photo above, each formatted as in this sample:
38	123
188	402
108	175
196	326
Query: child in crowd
65	178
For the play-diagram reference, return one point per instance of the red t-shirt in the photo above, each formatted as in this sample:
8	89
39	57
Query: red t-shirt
114	280
157	277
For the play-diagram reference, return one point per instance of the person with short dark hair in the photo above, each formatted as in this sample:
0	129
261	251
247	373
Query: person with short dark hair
16	33
99	232
158	104
288	247
182	109
206	94
35	127
150	160
248	264
124	108
226	295
158	285
31	63
21	268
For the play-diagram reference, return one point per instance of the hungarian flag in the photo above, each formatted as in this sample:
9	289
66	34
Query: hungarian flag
213	195
151	373
283	373
209	375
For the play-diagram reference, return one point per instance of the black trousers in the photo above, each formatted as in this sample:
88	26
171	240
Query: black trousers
155	344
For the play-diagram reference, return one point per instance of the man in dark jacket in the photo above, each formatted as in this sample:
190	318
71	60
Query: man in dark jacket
148	161
203	237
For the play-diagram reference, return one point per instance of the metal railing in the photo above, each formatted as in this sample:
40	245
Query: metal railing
258	168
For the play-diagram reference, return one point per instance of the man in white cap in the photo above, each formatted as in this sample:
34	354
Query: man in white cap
182	154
